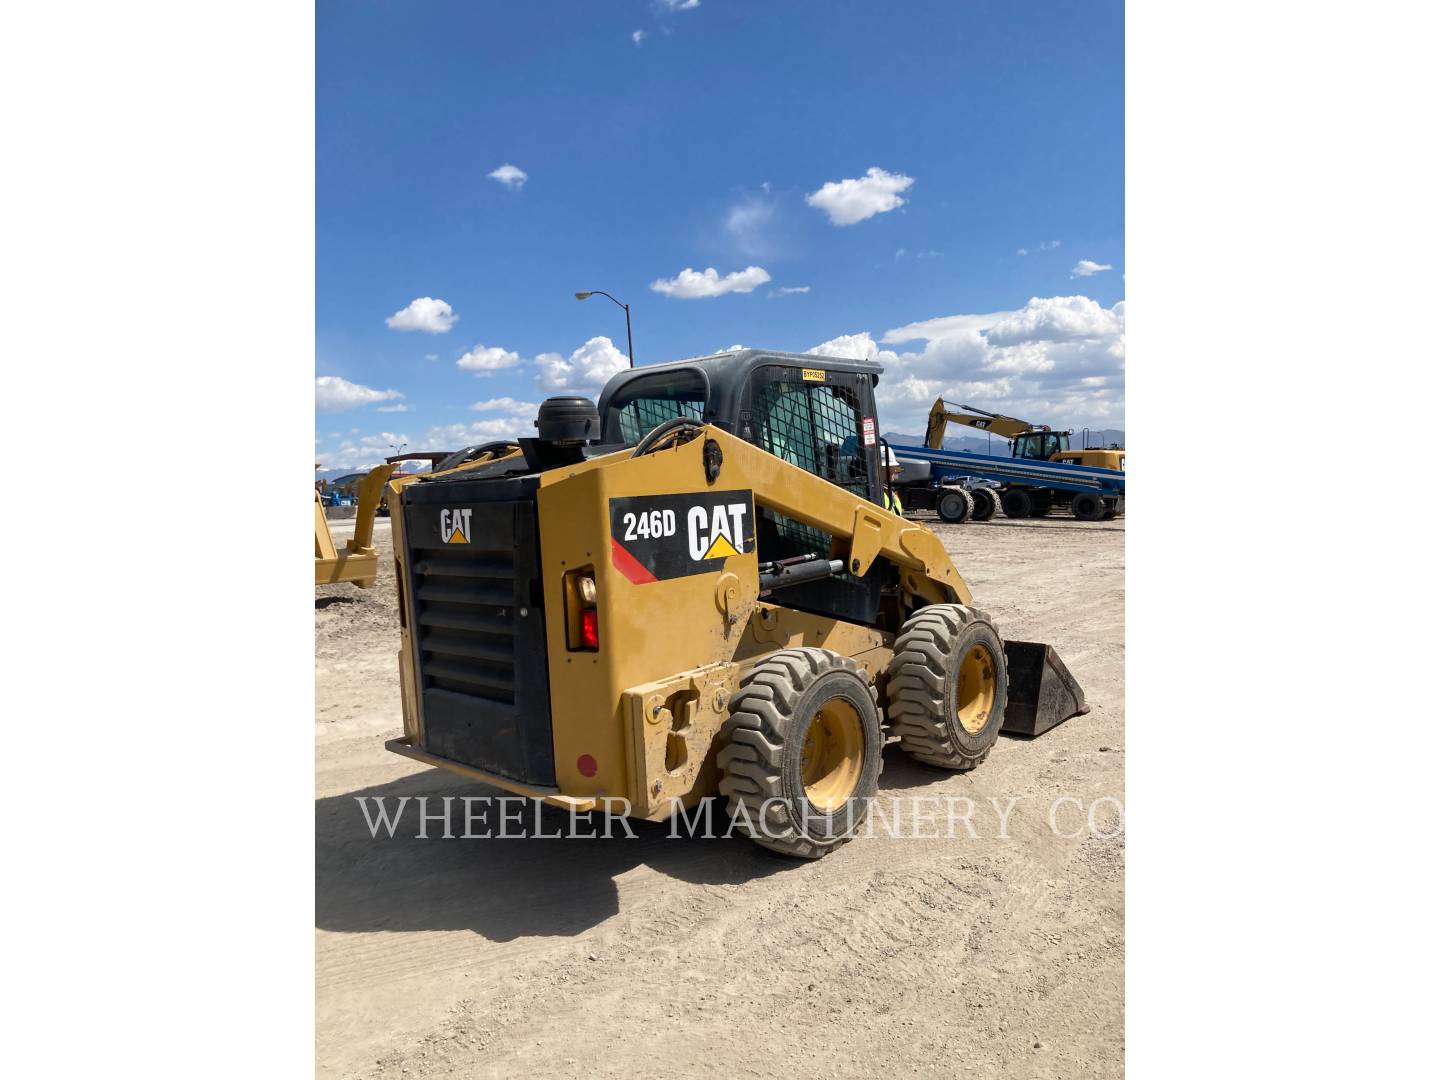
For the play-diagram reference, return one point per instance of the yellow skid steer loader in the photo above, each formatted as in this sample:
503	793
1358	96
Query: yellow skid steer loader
695	589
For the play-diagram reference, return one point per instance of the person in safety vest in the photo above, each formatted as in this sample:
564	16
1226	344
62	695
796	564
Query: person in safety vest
892	470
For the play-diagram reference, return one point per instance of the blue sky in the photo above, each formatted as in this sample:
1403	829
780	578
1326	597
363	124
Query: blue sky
892	159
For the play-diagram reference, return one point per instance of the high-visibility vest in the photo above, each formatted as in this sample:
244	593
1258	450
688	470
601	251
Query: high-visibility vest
892	502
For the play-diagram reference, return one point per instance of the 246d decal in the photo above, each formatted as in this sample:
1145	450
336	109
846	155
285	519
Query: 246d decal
656	537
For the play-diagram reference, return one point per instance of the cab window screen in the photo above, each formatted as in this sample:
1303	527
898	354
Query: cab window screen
815	426
646	403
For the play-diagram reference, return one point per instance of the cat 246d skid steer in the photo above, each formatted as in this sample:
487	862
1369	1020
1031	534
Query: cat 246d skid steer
695	589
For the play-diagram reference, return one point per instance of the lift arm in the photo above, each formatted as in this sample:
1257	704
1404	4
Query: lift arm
1006	427
863	531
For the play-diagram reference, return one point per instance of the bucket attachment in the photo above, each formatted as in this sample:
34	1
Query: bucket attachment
1041	690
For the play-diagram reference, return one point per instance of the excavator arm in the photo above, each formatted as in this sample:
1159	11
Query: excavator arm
1006	427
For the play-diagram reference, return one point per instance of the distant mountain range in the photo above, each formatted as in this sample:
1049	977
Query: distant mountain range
1098	437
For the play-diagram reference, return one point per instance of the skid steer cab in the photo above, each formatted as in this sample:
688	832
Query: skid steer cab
695	589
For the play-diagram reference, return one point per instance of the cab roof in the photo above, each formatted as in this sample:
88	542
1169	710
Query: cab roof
726	373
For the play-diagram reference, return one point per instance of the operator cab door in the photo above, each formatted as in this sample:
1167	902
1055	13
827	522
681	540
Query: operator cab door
822	421
1041	445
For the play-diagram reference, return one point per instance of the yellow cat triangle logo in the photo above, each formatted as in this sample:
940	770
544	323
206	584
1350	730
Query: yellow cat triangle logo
721	549
457	537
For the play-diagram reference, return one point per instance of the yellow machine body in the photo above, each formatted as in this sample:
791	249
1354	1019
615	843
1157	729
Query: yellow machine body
637	718
356	561
1010	427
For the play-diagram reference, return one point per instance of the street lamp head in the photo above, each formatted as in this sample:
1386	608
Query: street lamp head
583	295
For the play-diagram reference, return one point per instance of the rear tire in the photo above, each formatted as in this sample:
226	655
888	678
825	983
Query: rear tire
946	690
955	505
800	757
1087	507
987	502
1016	503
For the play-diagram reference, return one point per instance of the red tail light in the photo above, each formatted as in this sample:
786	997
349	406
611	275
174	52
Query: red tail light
589	629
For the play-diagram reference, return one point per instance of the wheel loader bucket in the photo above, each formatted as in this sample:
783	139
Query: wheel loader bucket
1041	691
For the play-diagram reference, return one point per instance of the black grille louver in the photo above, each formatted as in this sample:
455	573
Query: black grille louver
479	637
467	628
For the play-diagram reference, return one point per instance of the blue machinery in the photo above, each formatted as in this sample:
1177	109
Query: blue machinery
949	465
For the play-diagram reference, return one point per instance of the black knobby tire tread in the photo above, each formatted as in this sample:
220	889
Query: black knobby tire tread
965	497
984	498
1022	509
916	687
752	740
1099	514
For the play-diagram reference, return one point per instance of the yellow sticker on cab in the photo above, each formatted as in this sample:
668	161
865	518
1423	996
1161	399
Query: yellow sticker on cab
811	374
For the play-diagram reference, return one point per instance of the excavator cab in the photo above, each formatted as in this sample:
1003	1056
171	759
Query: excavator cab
1041	445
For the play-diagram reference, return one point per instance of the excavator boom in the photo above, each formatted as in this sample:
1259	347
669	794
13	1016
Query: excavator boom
1005	426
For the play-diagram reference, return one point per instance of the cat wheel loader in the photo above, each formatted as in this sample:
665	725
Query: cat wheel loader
694	589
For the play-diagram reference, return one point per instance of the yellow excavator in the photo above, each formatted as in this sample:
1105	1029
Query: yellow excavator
1037	443
692	589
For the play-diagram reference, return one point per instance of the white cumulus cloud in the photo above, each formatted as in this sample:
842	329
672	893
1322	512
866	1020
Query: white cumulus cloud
452	437
848	347
638	36
1086	268
332	394
1058	318
361	451
511	176
485	359
396	408
697	284
424	313
588	368
1059	360
505	404
850	201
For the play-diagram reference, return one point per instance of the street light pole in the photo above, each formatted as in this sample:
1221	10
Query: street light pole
629	339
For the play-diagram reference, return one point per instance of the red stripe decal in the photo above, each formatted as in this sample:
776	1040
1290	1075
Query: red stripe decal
628	565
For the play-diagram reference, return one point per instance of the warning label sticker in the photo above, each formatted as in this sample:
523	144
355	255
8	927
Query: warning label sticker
656	537
867	430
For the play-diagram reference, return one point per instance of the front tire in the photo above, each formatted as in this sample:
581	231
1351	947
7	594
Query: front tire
800	757
955	505
947	684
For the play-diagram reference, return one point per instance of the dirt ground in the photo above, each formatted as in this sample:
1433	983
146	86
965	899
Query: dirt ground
991	956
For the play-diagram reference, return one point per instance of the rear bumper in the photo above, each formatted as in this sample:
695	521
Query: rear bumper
579	805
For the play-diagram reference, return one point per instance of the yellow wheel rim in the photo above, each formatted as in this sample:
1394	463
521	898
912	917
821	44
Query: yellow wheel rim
975	690
832	756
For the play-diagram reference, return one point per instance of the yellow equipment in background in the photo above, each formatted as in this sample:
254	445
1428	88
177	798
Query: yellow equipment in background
694	589
1028	440
356	562
1035	443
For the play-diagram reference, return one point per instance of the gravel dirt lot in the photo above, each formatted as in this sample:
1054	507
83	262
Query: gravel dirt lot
668	957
